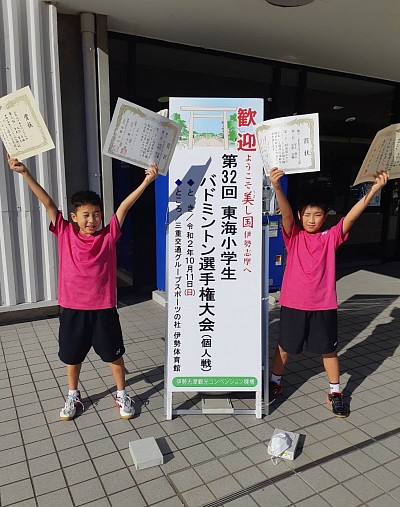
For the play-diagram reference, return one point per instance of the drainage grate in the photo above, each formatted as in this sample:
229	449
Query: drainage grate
303	468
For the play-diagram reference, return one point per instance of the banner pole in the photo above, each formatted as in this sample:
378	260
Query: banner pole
265	324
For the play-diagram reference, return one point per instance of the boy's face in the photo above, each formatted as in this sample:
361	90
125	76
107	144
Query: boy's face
312	218
88	218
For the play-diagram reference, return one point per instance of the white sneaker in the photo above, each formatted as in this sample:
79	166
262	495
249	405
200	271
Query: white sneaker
125	405
72	401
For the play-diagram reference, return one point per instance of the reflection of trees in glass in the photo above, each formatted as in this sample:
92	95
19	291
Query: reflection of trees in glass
232	127
177	118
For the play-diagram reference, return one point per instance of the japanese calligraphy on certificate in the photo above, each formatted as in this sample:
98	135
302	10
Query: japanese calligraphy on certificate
22	128
141	137
383	154
290	143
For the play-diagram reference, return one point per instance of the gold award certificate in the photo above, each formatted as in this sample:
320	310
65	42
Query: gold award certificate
141	137
383	155
290	143
22	128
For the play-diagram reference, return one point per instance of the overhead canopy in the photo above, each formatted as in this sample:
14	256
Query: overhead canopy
355	36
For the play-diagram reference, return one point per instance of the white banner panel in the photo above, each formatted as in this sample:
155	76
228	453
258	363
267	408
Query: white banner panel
215	247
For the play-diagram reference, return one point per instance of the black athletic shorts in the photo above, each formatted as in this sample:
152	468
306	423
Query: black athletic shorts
82	329
317	330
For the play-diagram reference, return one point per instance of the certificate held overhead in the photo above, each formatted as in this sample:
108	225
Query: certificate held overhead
141	137
22	128
290	143
383	155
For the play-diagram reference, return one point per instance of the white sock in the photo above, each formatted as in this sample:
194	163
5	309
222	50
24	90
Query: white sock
73	392
276	378
334	388
121	394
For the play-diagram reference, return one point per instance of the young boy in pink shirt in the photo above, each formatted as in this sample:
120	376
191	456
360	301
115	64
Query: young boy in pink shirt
308	297
87	288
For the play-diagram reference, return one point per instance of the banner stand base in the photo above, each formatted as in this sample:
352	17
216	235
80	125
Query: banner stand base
259	410
221	404
197	411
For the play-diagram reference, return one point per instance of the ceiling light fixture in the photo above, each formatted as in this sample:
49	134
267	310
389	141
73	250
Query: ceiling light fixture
349	120
289	3
336	108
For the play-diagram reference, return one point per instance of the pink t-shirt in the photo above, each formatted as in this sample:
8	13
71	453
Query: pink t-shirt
309	280
87	267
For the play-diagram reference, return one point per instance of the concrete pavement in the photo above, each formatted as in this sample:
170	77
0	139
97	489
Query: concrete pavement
209	460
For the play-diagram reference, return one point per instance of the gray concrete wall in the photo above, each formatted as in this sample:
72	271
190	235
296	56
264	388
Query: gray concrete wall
28	255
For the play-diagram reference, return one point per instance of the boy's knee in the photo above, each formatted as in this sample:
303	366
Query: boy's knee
330	355
118	362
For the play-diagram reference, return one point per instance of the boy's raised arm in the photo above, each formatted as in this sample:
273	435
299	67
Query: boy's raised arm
287	214
381	178
38	190
126	204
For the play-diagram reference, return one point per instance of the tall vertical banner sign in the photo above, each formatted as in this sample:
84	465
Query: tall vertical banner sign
214	244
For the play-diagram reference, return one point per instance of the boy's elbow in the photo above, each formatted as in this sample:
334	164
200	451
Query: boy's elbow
288	216
348	224
51	207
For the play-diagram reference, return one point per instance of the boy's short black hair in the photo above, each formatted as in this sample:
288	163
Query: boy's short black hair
314	196
86	197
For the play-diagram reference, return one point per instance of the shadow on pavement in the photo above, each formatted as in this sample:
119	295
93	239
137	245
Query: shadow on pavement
360	360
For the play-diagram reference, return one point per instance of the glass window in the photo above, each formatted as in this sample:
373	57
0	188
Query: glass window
349	107
164	71
285	104
351	110
393	226
120	58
